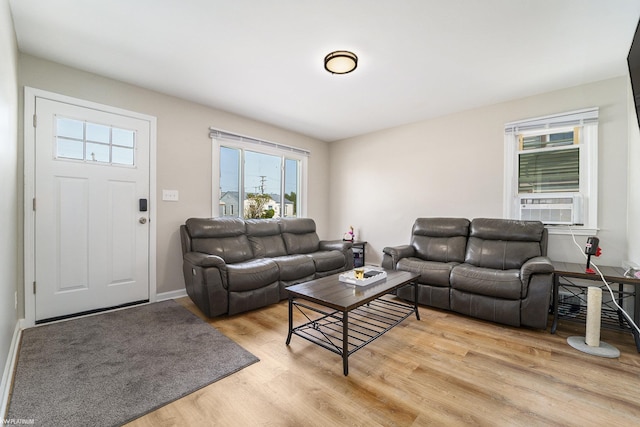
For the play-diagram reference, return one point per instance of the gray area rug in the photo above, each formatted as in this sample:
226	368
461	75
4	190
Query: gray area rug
111	368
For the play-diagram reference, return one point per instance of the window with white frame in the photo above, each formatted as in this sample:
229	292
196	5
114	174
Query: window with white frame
94	142
551	170
257	179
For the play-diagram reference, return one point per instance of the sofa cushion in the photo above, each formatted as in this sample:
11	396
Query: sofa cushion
253	274
328	260
431	273
507	229
503	244
441	249
294	267
224	237
201	228
500	254
299	235
504	284
265	238
440	239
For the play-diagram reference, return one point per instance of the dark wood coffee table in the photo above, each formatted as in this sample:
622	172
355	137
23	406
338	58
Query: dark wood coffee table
343	318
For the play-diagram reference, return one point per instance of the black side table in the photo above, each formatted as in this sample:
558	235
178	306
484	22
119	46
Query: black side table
358	253
574	306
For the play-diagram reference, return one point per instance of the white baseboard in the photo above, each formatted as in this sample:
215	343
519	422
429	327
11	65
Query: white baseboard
9	369
171	295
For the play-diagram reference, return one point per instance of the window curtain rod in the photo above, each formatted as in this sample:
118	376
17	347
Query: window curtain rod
221	134
570	119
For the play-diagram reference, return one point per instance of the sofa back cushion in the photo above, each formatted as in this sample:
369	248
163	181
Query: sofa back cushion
440	239
225	237
265	238
299	235
504	244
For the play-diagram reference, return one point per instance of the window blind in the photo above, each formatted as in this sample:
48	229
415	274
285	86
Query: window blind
564	120
220	134
549	171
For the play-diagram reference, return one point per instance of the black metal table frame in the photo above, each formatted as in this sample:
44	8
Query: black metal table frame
623	323
367	322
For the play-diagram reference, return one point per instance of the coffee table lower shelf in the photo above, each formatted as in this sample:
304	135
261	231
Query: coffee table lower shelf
345	332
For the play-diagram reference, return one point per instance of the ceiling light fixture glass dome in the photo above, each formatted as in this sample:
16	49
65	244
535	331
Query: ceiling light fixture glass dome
340	62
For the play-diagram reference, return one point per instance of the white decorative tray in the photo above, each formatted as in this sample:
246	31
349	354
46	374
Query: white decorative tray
371	275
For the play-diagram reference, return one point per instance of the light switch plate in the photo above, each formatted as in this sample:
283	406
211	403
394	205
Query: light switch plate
170	195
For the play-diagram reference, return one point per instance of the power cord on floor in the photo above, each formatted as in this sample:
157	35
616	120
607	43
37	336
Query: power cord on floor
613	299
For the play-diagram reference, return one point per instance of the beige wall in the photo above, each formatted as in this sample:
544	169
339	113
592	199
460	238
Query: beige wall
9	221
454	166
380	182
183	151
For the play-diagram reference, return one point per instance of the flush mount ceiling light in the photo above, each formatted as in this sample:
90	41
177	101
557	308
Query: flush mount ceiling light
340	62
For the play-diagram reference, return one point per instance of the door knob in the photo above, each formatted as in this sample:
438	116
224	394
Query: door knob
142	220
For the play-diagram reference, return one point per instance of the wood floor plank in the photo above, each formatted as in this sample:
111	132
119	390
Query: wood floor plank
445	369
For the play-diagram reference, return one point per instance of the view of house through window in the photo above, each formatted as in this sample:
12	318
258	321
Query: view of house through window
255	184
229	181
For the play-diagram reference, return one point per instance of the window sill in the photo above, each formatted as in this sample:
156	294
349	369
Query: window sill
577	230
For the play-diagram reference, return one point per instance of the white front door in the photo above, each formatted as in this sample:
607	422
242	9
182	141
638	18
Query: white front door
91	226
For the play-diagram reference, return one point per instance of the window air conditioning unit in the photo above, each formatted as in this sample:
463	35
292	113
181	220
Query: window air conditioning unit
551	208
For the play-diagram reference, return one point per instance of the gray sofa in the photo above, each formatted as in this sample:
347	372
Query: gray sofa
232	265
493	269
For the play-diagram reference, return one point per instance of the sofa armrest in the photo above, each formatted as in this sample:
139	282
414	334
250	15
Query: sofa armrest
392	254
205	282
342	246
200	259
536	265
334	245
398	252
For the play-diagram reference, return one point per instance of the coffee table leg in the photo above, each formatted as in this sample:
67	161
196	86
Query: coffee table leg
345	342
290	319
556	292
416	291
636	315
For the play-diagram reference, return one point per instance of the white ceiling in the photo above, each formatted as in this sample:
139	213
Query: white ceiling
418	59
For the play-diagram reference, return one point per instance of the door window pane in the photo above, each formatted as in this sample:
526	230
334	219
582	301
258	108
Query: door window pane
122	156
93	142
98	133
97	153
70	128
70	149
122	137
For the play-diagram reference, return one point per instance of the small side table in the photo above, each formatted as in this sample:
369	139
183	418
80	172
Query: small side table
575	309
358	248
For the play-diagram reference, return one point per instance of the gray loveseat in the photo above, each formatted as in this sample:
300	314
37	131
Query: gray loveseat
493	269
232	265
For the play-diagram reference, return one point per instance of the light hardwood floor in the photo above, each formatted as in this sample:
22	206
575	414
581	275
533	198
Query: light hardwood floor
446	369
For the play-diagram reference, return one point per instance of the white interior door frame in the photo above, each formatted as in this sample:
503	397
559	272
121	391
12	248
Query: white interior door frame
30	95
